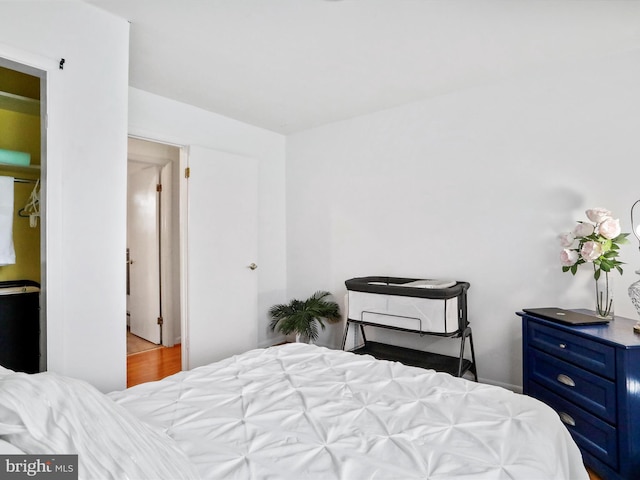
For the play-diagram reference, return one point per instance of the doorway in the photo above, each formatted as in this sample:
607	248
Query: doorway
153	260
23	147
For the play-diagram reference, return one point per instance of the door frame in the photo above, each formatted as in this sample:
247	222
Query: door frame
183	194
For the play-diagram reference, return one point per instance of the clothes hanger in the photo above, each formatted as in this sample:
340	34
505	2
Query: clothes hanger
32	208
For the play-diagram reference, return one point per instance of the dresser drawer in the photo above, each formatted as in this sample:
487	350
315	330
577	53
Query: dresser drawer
592	392
594	356
589	432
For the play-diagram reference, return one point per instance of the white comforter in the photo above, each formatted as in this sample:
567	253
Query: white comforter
48	414
300	411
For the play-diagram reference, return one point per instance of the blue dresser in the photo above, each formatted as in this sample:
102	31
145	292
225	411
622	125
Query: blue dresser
591	376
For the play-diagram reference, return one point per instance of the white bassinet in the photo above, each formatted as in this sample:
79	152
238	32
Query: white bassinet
427	307
398	307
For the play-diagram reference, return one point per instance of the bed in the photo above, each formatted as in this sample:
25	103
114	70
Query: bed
294	411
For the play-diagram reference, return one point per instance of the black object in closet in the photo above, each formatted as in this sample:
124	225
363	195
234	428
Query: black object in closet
20	325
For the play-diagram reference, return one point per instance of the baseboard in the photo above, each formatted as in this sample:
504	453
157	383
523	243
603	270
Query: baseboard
270	342
508	386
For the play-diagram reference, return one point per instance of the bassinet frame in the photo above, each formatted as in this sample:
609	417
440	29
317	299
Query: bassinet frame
384	285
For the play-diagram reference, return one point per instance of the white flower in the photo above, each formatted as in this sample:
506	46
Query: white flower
566	239
591	251
568	257
596	243
610	228
583	229
597	215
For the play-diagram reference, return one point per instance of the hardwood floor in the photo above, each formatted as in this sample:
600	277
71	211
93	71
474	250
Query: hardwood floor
136	344
593	476
153	365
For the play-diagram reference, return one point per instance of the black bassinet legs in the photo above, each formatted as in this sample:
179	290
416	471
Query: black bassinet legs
418	358
346	331
472	368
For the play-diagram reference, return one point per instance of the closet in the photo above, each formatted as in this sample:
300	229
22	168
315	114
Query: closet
22	318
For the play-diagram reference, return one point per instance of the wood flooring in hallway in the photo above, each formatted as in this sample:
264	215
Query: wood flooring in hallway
153	365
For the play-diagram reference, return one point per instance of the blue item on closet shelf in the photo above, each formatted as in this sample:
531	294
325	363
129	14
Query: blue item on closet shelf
15	158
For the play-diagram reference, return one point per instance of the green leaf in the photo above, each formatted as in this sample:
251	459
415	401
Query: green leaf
622	238
303	317
596	274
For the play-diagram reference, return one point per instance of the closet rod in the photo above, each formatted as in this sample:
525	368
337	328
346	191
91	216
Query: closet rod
24	180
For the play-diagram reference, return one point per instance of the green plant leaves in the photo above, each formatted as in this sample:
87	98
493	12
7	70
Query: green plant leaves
303	317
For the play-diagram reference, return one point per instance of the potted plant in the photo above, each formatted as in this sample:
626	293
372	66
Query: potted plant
302	317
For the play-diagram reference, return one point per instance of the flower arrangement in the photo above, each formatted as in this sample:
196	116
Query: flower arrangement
598	243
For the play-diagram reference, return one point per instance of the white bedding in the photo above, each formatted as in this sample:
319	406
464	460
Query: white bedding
47	413
299	411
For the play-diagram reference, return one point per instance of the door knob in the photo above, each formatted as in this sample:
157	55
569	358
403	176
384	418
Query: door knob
253	266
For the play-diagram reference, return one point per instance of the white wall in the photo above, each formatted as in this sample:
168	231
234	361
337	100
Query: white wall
158	118
474	185
86	179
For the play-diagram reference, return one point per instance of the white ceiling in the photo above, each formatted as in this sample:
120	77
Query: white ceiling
289	65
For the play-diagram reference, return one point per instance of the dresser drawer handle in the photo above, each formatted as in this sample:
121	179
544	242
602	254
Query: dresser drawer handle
568	419
566	380
563	345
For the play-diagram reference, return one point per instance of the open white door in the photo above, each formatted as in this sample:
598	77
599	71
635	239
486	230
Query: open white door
222	247
142	241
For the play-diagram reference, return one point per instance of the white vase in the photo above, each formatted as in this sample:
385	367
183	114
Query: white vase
604	296
634	293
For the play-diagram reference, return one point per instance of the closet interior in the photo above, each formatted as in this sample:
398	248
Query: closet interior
22	322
